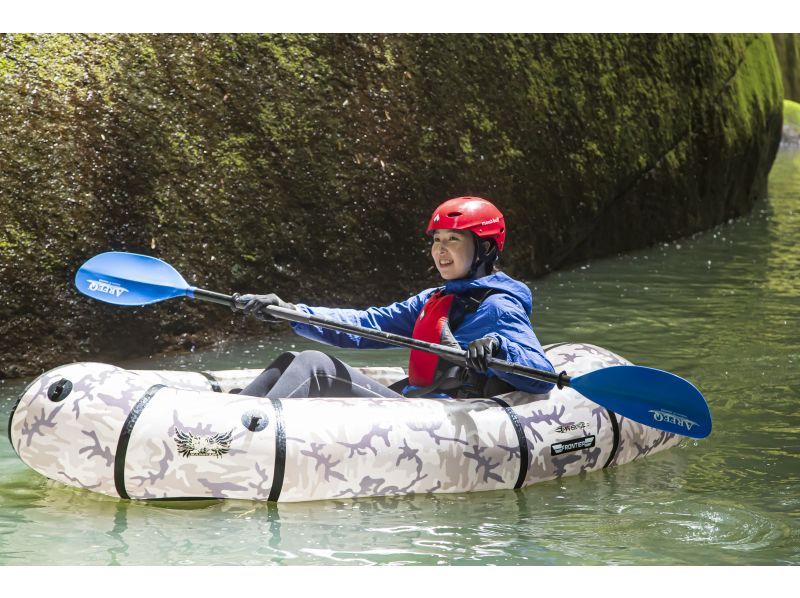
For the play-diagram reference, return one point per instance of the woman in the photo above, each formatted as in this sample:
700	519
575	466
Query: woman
478	309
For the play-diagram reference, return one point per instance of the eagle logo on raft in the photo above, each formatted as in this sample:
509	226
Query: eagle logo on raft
192	445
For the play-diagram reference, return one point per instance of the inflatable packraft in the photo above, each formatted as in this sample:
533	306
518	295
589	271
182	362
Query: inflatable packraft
161	435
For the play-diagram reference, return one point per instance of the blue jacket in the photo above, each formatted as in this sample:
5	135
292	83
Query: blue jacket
502	315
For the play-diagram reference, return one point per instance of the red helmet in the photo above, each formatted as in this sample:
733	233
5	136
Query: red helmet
473	214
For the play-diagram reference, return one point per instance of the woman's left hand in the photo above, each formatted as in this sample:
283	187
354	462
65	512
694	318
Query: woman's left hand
479	351
256	305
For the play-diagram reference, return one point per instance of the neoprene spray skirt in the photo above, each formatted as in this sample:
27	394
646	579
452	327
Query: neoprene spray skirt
155	435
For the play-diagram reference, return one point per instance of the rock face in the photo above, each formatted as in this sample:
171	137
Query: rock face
791	125
787	46
308	165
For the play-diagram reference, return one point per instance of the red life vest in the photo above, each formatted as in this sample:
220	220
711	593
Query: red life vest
430	327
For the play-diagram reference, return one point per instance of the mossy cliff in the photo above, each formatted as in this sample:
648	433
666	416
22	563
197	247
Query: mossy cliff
308	164
787	46
791	124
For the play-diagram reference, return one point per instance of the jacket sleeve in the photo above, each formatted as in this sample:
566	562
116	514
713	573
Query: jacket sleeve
397	318
503	317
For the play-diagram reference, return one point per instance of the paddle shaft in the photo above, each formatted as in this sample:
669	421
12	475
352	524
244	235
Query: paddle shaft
212	297
452	355
645	395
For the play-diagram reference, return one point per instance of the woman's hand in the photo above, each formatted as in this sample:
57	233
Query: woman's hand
479	351
256	305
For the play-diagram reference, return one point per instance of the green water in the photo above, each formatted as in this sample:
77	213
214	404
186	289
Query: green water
720	309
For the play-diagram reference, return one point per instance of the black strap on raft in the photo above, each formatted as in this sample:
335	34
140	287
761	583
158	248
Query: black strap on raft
615	430
612	417
280	452
125	436
523	442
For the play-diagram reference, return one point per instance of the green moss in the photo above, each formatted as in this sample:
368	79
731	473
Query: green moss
65	62
189	147
388	57
479	119
577	162
13	237
753	89
465	141
791	113
232	154
294	54
787	46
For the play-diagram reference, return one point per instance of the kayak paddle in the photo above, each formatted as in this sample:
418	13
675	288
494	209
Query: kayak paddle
646	395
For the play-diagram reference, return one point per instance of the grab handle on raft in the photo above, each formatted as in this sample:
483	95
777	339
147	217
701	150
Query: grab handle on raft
649	396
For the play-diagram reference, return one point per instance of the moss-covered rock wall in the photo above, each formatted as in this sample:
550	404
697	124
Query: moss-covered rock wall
787	46
309	164
791	124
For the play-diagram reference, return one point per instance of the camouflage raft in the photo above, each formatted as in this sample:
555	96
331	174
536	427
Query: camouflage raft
155	435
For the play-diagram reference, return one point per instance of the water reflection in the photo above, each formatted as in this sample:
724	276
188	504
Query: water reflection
659	506
596	518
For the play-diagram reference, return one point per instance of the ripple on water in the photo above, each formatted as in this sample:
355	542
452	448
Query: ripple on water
729	527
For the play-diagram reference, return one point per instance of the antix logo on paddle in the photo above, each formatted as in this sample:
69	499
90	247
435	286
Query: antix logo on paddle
191	445
568	446
679	420
103	286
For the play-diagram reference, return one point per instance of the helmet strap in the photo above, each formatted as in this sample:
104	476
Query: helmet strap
482	259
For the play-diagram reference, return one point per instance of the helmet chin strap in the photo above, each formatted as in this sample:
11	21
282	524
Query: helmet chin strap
481	260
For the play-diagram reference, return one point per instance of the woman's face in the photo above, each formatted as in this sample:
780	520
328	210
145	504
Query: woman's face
452	252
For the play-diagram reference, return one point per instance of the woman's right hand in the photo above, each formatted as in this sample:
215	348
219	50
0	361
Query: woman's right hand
256	305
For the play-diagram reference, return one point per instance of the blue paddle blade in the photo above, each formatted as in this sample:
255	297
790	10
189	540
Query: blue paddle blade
651	397
130	279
